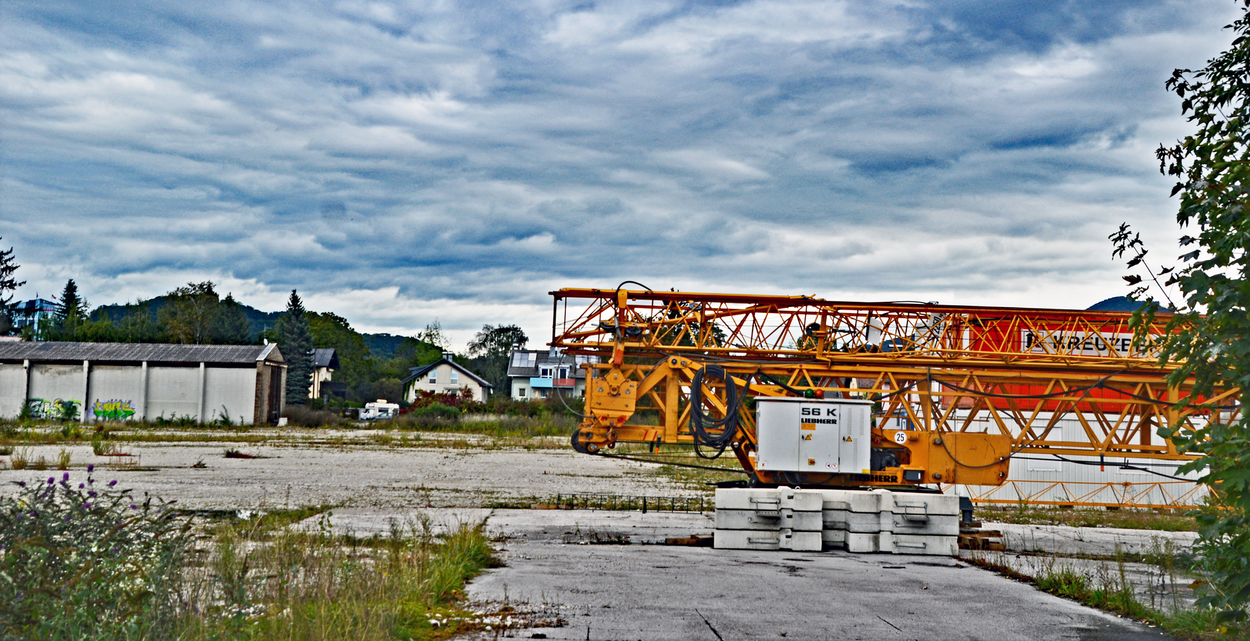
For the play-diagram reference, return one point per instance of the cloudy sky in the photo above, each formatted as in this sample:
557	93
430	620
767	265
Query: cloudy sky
400	162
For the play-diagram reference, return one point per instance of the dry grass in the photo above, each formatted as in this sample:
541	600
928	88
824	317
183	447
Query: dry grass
1167	521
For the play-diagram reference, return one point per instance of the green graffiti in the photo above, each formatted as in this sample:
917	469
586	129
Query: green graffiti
54	410
114	410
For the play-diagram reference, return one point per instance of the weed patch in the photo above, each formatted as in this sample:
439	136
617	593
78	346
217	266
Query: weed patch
1164	521
86	560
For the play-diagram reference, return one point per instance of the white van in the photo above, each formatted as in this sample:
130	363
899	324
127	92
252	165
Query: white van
379	410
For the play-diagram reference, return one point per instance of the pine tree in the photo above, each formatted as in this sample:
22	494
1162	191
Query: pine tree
71	312
7	284
296	344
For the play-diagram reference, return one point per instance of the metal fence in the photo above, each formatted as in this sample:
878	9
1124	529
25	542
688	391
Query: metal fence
630	503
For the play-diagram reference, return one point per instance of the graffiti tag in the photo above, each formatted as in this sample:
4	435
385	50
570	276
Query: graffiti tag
54	410
113	410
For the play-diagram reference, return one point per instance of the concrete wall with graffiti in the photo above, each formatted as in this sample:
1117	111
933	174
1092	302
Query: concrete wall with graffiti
118	393
52	385
12	389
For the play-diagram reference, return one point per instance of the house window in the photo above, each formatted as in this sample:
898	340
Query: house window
544	371
433	377
455	377
520	391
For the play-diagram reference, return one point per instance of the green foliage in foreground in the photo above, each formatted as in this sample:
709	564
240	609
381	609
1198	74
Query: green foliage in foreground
1210	332
87	561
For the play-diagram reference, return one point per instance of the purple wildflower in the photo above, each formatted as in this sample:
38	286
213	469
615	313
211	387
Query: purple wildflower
87	505
51	480
112	482
91	493
91	468
82	485
22	483
65	477
133	506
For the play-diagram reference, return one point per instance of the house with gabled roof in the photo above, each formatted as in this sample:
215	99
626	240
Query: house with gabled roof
325	362
536	374
442	377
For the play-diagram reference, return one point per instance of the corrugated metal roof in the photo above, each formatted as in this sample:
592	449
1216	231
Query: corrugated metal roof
136	352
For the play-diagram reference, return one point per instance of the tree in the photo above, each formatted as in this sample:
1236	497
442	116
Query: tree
1210	331
191	315
433	335
296	344
491	348
71	312
232	327
333	331
7	284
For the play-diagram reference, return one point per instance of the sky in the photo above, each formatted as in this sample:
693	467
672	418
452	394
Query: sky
401	163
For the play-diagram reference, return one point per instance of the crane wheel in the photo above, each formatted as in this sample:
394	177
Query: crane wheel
576	442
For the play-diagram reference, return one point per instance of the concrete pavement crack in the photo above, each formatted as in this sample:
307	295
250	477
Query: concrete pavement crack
718	636
886	622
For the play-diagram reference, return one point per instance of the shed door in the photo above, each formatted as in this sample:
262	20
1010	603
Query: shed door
275	394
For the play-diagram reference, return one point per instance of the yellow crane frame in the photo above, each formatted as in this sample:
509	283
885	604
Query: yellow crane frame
967	387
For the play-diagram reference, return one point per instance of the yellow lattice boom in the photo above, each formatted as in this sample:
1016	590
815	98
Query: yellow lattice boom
967	387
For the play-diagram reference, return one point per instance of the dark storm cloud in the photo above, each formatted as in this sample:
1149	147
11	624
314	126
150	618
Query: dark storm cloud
398	162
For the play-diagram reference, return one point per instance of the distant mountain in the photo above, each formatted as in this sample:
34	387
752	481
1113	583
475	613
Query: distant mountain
380	345
1120	304
257	321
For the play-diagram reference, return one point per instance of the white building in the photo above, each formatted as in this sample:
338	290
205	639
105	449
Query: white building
534	374
142	382
445	376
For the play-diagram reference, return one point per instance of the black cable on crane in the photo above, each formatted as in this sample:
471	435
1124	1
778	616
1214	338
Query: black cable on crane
702	426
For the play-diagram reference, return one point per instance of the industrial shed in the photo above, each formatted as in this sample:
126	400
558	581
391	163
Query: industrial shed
127	381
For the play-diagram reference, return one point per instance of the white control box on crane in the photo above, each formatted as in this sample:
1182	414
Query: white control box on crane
813	435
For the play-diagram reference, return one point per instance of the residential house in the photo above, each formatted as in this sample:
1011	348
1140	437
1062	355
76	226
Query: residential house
325	363
31	311
444	376
535	374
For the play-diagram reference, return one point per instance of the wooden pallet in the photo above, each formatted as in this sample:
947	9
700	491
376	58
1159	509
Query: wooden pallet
981	540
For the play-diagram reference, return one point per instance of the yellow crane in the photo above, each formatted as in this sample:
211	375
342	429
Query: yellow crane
942	394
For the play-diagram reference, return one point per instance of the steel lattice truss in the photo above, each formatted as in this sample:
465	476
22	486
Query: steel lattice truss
944	369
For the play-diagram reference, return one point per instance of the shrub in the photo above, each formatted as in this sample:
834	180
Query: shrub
303	416
461	400
504	405
88	561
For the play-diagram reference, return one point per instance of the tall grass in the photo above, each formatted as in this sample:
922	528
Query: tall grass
1108	587
87	561
300	585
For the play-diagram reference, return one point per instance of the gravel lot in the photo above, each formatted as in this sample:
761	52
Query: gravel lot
353	475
